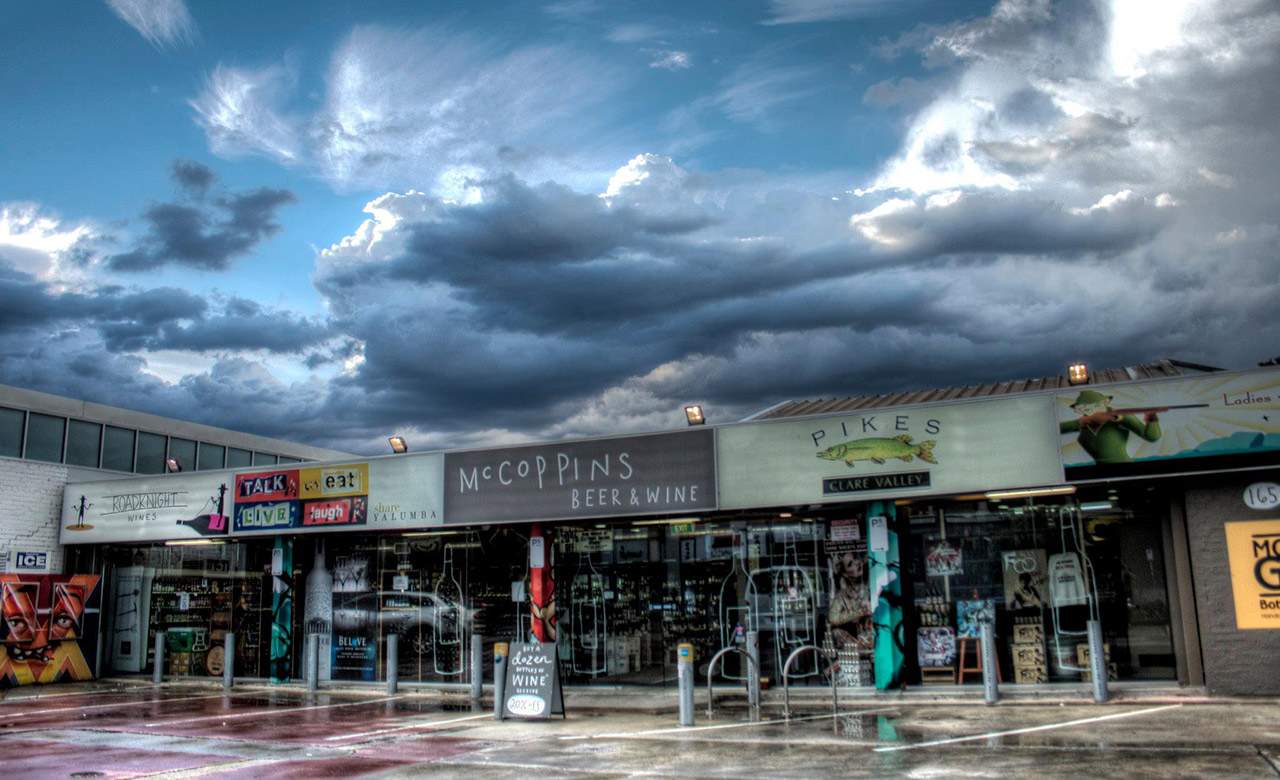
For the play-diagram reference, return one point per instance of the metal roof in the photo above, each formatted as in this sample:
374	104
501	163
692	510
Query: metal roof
1160	369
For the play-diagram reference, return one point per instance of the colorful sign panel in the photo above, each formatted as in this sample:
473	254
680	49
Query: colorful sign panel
150	509
269	516
889	453
279	485
397	492
633	475
335	481
1253	551
1210	422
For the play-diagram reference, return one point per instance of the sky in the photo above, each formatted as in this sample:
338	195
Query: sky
486	223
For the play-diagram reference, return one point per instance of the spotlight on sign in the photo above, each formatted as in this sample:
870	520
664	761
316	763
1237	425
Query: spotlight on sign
398	445
694	415
1078	373
172	465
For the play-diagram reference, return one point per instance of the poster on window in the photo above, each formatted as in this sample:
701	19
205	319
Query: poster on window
971	614
936	646
1024	578
943	559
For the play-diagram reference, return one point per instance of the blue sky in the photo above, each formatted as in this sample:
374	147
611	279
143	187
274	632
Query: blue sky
499	221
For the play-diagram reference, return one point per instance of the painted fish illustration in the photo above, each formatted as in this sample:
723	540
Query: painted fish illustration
878	450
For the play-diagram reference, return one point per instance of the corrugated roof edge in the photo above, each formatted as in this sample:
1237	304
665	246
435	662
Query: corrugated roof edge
1163	368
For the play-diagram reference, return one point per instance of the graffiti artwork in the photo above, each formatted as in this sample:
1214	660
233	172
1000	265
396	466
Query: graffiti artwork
50	628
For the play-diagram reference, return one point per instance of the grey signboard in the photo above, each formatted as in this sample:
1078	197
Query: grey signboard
632	475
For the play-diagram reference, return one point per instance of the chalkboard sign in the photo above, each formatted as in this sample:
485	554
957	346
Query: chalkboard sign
533	682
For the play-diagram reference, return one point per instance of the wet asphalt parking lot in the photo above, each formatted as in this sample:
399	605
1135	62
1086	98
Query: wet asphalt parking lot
179	732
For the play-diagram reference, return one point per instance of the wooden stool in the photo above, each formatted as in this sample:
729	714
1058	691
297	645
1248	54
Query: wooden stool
962	646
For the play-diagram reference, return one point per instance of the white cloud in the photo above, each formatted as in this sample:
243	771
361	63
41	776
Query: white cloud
808	11
671	60
240	111
45	246
163	23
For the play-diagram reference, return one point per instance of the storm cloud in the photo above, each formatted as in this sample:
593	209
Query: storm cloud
204	236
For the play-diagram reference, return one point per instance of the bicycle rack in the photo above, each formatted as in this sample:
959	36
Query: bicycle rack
832	660
711	676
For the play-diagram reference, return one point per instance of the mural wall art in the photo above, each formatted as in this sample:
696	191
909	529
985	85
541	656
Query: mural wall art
50	628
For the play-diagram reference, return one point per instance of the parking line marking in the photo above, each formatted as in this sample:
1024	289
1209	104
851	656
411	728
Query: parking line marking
1028	730
736	725
269	713
142	702
428	724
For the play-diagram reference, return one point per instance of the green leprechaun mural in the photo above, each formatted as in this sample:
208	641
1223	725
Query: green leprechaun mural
1105	431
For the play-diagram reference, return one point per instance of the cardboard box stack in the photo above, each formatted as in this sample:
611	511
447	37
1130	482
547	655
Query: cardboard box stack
1029	663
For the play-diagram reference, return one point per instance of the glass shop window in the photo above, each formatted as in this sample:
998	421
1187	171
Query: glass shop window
117	448
151	449
1040	572
264	459
11	421
83	441
44	437
238	458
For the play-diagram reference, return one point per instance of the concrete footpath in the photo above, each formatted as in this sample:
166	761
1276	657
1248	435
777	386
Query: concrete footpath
179	730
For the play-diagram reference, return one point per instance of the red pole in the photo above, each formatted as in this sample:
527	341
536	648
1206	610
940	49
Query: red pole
542	586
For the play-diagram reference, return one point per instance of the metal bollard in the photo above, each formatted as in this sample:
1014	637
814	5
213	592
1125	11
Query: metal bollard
990	664
157	671
1097	662
393	663
312	662
228	660
477	670
500	650
684	676
753	676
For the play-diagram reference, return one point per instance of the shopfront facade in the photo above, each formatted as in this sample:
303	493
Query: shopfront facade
883	536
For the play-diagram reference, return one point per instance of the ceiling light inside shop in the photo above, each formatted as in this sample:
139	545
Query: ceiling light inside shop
669	521
1095	506
1061	490
192	542
784	515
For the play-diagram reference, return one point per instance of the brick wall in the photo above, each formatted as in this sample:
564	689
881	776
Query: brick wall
30	505
1235	662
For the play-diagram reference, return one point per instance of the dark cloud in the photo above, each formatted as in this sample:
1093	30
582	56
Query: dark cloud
130	320
204	236
193	177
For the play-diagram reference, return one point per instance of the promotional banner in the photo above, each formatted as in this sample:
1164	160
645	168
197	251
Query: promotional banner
633	475
889	453
159	508
1169	426
398	492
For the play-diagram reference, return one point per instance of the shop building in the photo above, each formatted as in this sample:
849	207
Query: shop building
47	441
883	529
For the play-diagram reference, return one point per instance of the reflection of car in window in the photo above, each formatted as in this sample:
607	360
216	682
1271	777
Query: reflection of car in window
402	609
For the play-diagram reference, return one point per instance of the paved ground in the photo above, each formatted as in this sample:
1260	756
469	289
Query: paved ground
178	732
